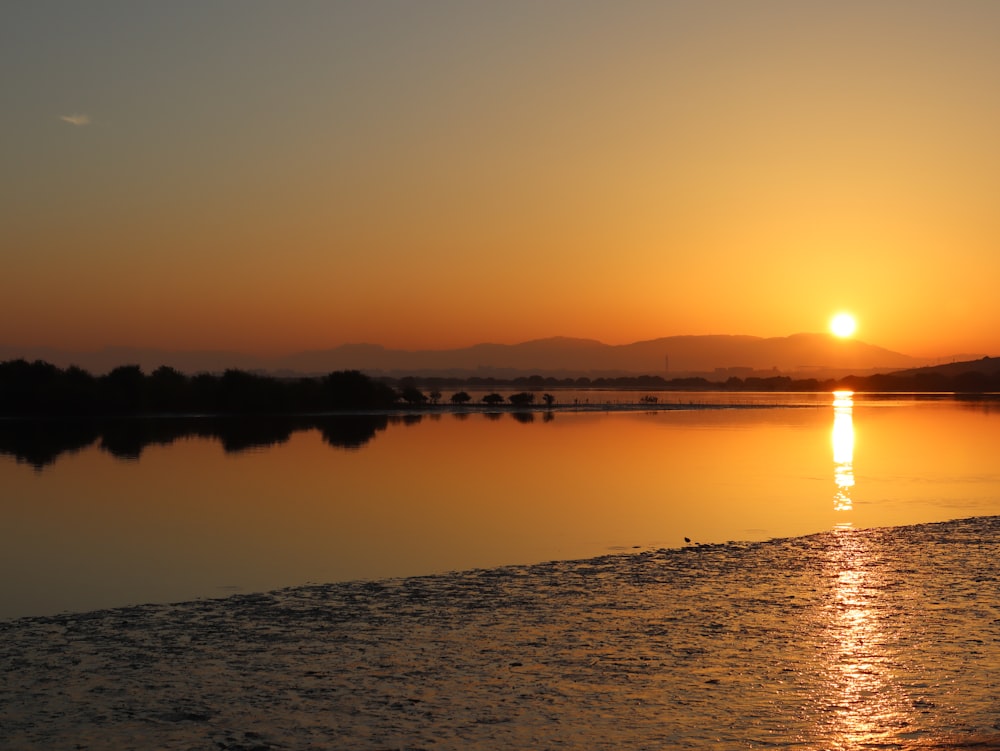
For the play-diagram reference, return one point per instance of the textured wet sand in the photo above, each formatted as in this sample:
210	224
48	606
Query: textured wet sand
883	637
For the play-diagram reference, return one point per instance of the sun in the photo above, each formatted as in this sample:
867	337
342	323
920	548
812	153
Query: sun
843	325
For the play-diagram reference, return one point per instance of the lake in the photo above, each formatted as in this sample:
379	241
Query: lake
155	511
483	580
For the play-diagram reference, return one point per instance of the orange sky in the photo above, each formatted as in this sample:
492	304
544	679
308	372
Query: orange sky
275	177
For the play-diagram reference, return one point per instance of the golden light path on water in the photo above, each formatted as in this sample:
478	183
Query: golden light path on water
865	706
843	450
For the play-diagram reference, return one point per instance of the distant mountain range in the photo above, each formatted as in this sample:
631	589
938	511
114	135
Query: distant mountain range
799	355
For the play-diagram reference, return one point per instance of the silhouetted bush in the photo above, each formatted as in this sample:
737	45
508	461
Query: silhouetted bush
123	390
413	396
168	390
27	388
351	389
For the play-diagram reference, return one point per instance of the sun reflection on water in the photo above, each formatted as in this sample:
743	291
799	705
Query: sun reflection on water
867	706
843	450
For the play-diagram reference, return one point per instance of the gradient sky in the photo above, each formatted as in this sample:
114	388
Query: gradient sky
270	177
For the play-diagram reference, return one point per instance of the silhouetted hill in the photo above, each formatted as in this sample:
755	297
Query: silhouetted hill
818	355
986	365
800	355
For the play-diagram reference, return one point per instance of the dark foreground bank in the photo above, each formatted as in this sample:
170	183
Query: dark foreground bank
881	638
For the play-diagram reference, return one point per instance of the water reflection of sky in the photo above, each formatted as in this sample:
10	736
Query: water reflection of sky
193	514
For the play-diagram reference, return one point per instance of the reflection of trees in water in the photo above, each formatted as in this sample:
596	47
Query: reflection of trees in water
40	442
352	431
127	438
246	433
985	403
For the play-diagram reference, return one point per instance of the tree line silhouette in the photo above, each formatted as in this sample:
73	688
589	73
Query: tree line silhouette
37	389
968	382
42	389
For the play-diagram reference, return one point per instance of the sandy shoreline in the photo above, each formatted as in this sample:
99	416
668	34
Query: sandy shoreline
730	646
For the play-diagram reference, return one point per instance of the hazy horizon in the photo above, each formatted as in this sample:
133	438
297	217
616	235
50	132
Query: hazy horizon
802	355
284	352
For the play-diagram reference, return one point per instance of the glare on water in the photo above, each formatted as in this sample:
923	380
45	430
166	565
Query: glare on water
865	706
843	449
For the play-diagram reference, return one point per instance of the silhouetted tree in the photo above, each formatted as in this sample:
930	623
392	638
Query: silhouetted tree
124	390
460	398
413	396
548	399
168	390
76	393
204	393
346	389
243	393
521	399
25	387
435	396
492	399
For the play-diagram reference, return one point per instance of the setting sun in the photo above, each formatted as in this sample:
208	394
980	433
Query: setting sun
843	325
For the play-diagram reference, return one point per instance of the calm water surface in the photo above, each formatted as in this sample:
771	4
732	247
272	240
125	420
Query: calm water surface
209	514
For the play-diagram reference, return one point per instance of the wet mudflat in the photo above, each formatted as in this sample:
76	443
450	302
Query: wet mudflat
882	638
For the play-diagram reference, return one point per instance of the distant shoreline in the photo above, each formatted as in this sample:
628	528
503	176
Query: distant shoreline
40	389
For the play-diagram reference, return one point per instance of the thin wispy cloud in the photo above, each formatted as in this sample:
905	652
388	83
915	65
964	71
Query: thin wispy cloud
75	119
